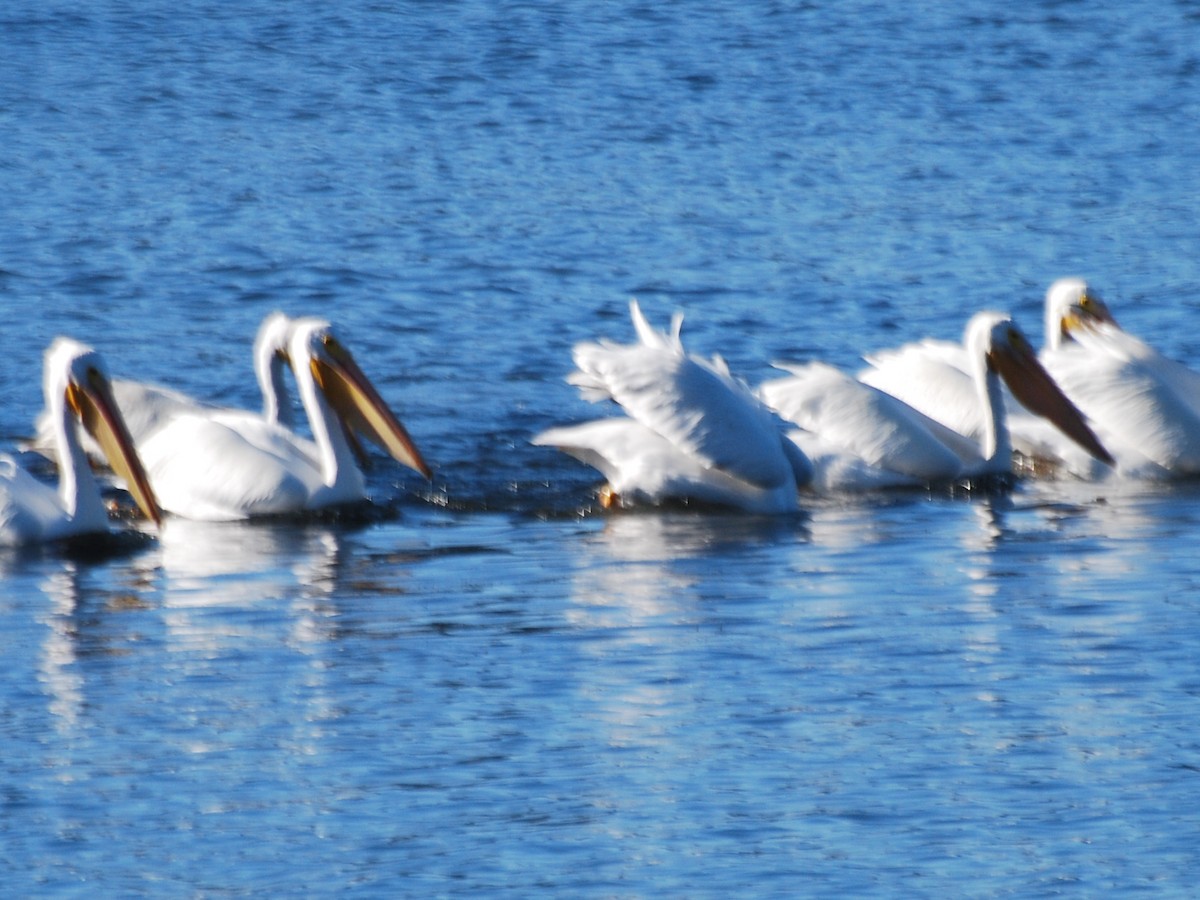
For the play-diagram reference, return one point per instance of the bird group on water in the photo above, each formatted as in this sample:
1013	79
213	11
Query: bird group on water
1094	402
182	457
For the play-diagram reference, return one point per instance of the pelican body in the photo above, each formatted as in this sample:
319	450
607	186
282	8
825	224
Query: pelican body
859	435
692	432
1144	406
226	464
78	394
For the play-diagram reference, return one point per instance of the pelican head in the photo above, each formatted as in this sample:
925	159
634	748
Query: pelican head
350	395
1071	304
997	340
76	378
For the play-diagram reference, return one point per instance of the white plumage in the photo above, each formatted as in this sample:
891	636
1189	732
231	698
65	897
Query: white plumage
926	413
1144	406
148	407
693	431
77	393
227	464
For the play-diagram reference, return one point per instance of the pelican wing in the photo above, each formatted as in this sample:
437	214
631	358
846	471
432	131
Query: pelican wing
835	469
147	407
30	511
949	353
934	378
642	466
230	466
1174	377
626	453
694	406
864	422
144	407
652	337
1139	401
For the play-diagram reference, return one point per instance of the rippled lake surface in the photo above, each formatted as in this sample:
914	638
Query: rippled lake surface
490	688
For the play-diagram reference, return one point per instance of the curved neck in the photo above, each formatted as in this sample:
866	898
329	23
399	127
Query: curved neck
1054	332
338	469
268	367
996	443
77	489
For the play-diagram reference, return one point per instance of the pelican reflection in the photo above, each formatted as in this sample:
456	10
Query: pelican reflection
87	617
58	668
214	570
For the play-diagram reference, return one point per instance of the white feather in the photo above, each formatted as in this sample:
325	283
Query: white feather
694	431
235	465
927	412
33	512
1143	405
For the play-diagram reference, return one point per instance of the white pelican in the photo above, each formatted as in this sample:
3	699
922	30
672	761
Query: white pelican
693	432
1070	303
1144	406
147	407
235	465
859	436
77	392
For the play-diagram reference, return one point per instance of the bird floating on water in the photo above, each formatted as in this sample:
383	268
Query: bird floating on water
924	414
230	464
1144	406
148	407
77	394
692	432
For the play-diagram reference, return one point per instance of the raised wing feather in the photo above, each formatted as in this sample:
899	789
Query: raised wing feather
701	411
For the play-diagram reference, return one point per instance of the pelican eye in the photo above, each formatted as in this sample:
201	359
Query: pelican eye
1017	339
92	380
334	348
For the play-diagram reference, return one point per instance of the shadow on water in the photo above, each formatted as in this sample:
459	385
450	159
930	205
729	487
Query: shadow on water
83	549
693	530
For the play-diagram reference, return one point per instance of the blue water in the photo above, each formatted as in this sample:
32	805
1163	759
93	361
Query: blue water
484	691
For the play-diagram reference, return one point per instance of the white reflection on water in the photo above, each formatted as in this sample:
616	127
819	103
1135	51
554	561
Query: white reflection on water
1065	634
244	604
646	593
205	565
85	602
232	606
644	568
641	588
58	668
627	591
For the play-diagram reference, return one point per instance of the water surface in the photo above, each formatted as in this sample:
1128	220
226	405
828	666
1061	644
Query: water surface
490	688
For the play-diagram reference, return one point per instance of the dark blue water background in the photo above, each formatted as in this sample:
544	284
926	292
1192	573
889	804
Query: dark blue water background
485	692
